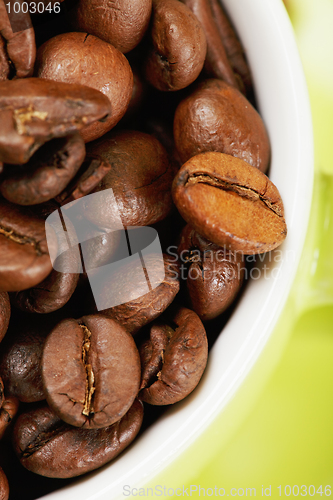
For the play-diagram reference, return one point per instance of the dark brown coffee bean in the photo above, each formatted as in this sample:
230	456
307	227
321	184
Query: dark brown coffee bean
123	23
4	313
233	47
85	59
91	172
34	111
8	411
91	371
217	117
178	48
174	359
230	203
20	356
47	446
152	298
217	64
4	486
46	174
20	38
24	252
214	274
140	178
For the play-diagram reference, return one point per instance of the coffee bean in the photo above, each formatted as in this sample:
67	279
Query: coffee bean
4	313
91	371
8	411
151	298
91	172
4	486
230	203
4	61
140	178
47	446
178	46
79	58
34	111
174	359
217	117
24	252
123	24
214	275
46	174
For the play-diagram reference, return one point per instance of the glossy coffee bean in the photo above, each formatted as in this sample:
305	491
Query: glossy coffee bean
91	371
87	60
4	313
141	177
178	46
123	23
151	298
20	356
47	446
20	42
173	359
214	274
46	174
217	64
23	245
230	203
217	117
34	111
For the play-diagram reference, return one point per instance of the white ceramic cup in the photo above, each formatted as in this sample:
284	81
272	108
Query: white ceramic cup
268	39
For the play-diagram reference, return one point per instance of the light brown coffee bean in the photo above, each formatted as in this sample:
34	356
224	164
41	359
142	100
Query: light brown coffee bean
178	48
123	22
217	117
230	203
87	60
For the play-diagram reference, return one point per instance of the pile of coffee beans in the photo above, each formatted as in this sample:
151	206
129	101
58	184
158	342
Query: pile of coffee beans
132	188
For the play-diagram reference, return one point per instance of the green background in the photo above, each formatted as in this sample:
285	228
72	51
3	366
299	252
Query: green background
278	429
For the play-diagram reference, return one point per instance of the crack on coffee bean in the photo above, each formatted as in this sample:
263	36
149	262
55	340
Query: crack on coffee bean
90	378
21	240
27	115
43	438
154	180
246	192
72	400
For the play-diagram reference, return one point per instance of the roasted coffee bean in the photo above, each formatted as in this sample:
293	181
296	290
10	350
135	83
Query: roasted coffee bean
4	313
123	23
91	172
214	274
151	297
233	47
178	48
230	203
20	356
4	61
24	252
91	371
140	178
20	42
8	411
4	486
46	174
217	64
85	59
34	111
174	359
47	446
217	117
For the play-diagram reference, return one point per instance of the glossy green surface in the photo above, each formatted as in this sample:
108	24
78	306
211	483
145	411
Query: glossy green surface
278	429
